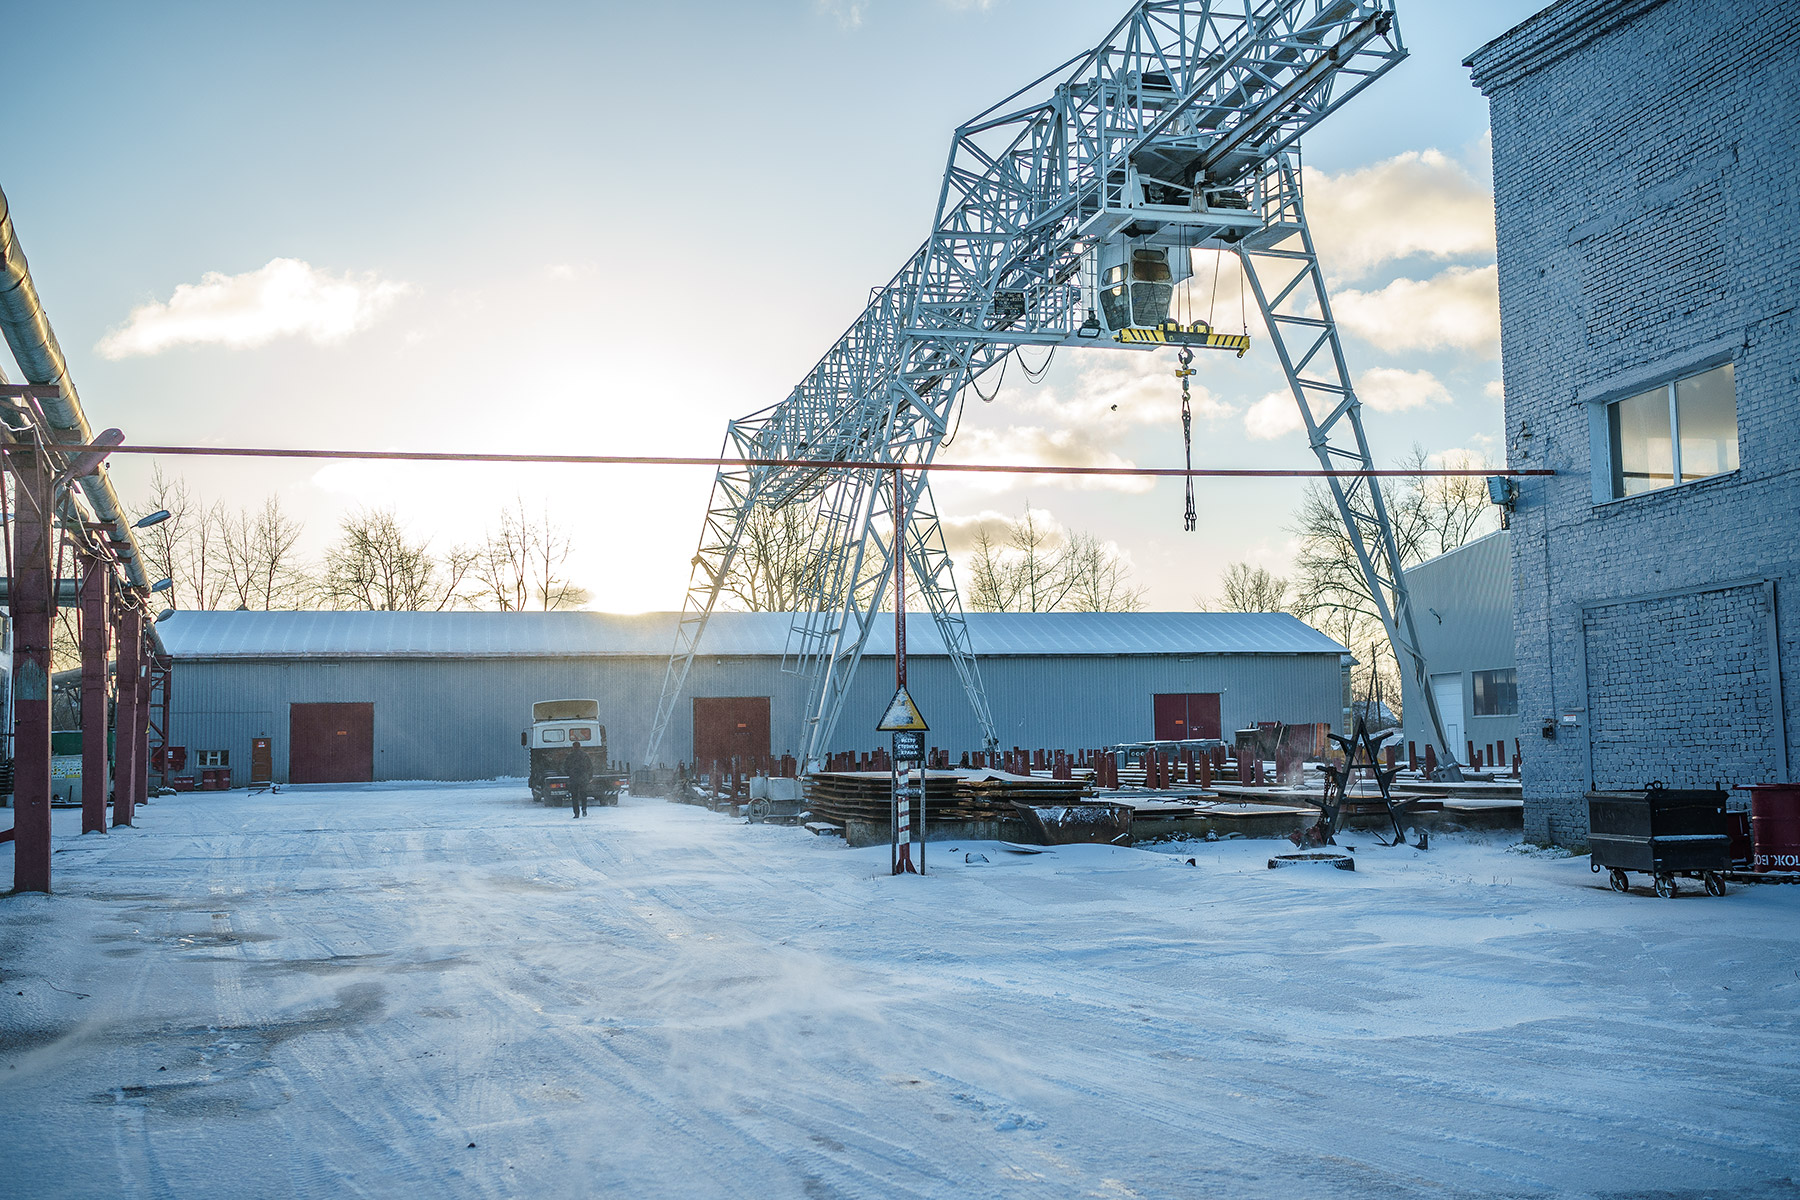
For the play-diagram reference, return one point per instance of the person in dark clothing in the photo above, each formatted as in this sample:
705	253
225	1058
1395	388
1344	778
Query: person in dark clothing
580	773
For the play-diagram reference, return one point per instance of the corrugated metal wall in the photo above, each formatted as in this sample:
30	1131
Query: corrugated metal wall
1463	604
461	719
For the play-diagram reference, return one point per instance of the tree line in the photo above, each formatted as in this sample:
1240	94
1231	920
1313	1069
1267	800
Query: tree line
216	557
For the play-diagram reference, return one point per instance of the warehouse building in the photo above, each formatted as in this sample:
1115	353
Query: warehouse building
315	697
1462	601
1646	170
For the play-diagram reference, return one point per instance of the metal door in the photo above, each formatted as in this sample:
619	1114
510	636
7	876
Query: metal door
1186	715
727	727
331	743
1448	691
262	766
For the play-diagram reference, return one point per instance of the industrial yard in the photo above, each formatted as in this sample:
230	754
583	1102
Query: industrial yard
1323	725
448	990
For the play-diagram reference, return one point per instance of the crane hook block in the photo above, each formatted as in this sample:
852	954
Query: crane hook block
1174	333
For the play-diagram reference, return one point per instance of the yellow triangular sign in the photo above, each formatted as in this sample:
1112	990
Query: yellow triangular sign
902	715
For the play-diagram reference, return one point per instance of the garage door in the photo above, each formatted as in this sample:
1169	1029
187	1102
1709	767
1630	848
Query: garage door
1180	715
727	727
331	743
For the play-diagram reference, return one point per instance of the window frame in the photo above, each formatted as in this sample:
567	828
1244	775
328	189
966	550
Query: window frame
1476	692
1667	374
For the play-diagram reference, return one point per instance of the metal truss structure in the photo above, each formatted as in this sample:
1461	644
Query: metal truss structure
1174	134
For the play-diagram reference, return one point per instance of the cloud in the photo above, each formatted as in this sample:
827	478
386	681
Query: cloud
1390	389
1494	390
1029	445
848	13
1416	203
1273	416
1456	309
960	532
285	298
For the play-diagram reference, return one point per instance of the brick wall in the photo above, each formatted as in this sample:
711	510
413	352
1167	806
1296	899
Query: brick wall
1646	187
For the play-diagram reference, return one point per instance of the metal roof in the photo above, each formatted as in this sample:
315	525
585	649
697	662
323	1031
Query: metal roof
192	634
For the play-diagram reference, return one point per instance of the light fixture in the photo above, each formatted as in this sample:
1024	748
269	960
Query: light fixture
164	615
1090	328
155	518
88	461
162	585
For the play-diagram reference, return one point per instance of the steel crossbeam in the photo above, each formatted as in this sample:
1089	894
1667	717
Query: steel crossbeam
1153	133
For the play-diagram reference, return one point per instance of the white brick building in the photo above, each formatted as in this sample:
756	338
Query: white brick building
1647	187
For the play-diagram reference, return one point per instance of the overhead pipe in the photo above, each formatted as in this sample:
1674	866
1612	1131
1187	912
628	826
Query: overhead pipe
34	347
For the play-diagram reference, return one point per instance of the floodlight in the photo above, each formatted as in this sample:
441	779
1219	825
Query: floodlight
155	518
162	585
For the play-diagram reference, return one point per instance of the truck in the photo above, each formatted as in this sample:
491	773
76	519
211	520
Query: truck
556	725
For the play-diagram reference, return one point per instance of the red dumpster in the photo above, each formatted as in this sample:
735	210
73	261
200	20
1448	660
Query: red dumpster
1775	826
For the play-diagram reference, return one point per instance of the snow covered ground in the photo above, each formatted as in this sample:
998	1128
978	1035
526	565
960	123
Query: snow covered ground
446	990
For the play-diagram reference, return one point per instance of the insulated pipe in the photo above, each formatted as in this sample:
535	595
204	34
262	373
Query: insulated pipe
34	346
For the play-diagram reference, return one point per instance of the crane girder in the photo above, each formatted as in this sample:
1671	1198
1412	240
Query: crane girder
1163	133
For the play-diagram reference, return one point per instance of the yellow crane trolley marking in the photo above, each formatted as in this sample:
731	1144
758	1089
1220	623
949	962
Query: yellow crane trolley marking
1174	333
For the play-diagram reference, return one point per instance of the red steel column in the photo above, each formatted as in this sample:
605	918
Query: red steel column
95	587
140	734
126	748
33	611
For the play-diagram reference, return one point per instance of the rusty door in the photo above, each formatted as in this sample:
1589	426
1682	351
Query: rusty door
331	743
730	726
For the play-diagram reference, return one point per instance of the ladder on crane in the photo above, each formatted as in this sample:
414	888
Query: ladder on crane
1058	214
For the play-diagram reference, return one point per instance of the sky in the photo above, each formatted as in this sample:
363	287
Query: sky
610	228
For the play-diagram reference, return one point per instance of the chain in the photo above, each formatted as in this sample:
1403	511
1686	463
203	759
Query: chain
1184	373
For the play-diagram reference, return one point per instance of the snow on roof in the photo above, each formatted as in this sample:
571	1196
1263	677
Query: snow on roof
191	634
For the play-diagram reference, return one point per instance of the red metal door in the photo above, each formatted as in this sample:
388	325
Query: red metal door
331	743
1171	711
730	726
262	764
1186	715
1203	715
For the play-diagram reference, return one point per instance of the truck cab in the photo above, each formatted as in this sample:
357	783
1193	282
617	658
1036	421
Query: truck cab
557	725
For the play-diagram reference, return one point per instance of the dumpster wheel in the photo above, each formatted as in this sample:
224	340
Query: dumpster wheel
1619	881
1665	886
1715	883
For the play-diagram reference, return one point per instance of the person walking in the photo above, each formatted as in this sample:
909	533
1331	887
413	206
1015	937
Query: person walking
580	772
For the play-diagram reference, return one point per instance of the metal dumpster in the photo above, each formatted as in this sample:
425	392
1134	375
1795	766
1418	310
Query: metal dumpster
1662	832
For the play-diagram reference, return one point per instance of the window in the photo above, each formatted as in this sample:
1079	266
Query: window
1675	433
1497	693
212	758
553	735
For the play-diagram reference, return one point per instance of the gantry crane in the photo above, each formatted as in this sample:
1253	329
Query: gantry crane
1069	212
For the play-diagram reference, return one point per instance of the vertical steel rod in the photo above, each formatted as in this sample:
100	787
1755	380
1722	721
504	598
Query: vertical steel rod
126	747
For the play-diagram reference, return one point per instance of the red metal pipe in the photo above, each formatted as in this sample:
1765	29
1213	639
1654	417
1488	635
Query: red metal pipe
666	460
33	605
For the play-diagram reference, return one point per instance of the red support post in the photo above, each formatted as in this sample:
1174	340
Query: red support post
127	749
95	644
32	603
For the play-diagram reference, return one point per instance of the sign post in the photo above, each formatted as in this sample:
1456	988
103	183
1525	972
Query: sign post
902	717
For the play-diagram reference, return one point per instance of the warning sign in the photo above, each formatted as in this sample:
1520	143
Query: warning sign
902	715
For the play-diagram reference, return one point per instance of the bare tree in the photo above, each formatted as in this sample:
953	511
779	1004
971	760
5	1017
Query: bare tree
777	561
375	566
263	571
1430	516
1248	589
1099	578
1037	567
519	566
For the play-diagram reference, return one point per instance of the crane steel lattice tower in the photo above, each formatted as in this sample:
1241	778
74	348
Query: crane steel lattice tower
1058	212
